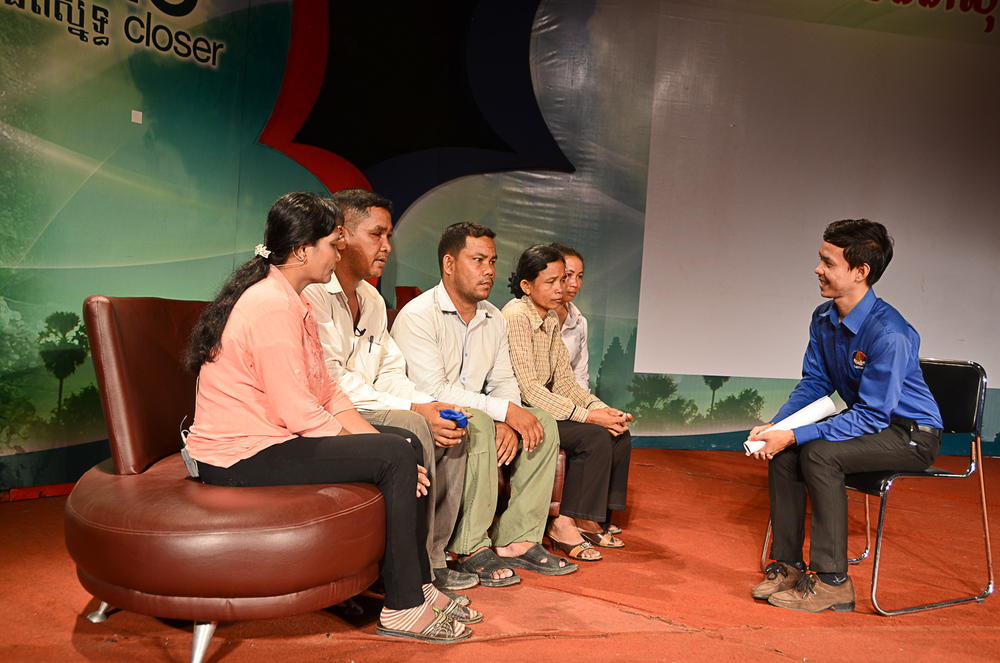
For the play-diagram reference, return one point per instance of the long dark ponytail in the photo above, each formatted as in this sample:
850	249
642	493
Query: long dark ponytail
295	219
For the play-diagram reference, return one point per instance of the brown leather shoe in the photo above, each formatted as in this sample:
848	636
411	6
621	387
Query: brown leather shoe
813	595
780	577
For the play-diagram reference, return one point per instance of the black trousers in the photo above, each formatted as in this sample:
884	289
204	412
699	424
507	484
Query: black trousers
596	470
387	460
818	467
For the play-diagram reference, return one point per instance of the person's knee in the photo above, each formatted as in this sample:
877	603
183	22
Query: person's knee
414	423
396	448
398	458
482	432
784	464
599	442
818	454
624	441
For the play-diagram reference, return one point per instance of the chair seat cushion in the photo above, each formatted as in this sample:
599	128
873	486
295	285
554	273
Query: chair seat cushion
163	533
871	482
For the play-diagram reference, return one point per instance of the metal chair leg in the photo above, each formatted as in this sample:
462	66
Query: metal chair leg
979	598
986	520
767	544
99	615
868	536
203	632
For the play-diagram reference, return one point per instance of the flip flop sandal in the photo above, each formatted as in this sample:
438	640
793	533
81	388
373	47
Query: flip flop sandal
613	529
603	539
531	560
484	563
439	631
573	550
460	599
445	578
462	614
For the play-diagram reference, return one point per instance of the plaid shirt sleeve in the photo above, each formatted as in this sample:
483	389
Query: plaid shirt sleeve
564	382
529	355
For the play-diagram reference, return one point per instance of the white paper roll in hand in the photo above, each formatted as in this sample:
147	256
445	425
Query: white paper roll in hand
810	414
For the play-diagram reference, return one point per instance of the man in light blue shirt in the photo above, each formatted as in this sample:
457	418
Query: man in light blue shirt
862	348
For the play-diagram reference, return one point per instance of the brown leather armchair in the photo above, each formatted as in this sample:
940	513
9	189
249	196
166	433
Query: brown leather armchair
145	537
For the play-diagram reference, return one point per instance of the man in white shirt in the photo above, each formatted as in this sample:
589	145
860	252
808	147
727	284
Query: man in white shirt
368	366
456	348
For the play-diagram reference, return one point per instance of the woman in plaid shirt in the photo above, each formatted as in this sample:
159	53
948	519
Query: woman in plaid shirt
595	437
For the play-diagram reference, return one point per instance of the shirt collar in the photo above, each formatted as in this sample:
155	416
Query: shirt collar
858	314
537	322
573	316
443	300
447	306
333	285
856	317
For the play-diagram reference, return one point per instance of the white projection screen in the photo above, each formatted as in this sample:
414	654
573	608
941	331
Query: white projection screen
764	131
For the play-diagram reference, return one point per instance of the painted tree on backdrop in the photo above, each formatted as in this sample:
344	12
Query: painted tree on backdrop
615	373
736	411
655	406
714	382
63	347
653	399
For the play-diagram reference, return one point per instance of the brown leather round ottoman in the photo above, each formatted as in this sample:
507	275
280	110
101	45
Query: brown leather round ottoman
163	544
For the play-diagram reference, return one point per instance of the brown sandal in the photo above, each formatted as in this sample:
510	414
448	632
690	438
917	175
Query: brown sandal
603	539
460	613
573	550
440	631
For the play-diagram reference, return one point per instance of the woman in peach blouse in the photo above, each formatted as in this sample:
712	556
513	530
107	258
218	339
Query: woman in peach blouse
268	412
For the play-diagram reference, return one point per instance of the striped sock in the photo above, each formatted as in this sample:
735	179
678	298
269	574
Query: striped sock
407	619
435	598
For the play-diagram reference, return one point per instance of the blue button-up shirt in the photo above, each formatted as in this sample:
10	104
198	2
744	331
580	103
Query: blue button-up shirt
871	358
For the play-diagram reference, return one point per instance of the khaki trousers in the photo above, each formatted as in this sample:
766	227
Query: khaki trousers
446	473
530	488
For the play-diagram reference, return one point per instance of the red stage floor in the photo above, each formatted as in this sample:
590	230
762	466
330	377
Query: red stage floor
679	591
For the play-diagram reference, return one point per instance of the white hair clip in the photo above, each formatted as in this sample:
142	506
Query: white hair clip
261	251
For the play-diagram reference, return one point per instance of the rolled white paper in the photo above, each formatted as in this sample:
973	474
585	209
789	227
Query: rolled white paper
810	414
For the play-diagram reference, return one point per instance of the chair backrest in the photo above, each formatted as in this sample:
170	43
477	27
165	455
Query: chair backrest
959	387
404	294
138	346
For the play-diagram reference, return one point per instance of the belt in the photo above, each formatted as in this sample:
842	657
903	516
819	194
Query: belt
929	430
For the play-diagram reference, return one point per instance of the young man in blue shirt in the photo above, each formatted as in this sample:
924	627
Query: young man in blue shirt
863	349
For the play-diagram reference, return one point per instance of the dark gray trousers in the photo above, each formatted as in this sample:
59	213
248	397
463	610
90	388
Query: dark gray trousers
818	468
597	464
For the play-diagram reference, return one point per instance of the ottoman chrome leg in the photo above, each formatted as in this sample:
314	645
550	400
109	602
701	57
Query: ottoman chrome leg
203	632
99	615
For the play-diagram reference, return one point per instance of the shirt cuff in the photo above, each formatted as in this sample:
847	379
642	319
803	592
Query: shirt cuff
806	433
395	402
496	408
420	398
578	414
